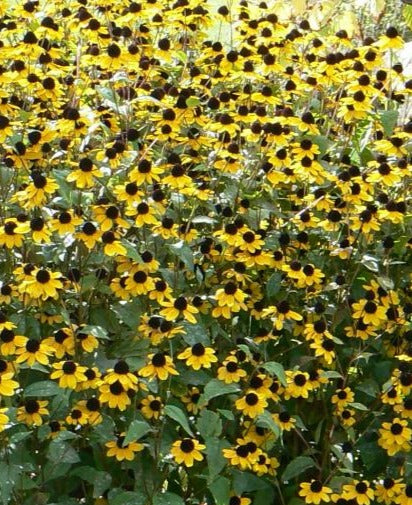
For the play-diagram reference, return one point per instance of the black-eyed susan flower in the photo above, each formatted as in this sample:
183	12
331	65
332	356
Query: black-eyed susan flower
115	395
31	412
68	373
179	307
198	356
43	284
151	407
187	451
251	404
159	366
395	436
33	351
230	371
315	492
387	490
121	451
360	491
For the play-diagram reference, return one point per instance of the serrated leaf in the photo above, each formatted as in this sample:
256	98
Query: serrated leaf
358	406
128	498
179	416
96	331
297	466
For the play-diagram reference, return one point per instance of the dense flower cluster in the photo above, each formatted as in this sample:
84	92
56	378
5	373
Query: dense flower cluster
205	258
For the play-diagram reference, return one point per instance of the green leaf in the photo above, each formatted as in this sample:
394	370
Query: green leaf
407	14
220	489
209	424
167	499
265	421
297	466
276	369
389	119
273	285
217	388
96	331
42	388
61	452
179	416
101	480
19	437
129	312
131	250
215	459
358	406
137	429
183	252
128	498
192	101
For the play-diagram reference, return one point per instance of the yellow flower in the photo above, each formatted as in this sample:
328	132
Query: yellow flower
251	404
69	374
160	366
121	451
32	411
315	492
198	356
187	451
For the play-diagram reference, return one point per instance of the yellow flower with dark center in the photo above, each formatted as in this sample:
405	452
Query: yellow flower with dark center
315	492
230	299
11	233
404	409
343	397
395	436
115	395
93	380
159	366
284	420
32	411
251	404
89	234
198	356
139	283
325	349
239	500
121	451
109	216
230	371
151	407
179	307
145	214
243	455
405	497
77	417
298	385
87	341
9	342
347	417
191	400
360	491
187	451
34	351
62	342
69	374
388	490
44	284
145	172
121	372
369	311
84	175
91	409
